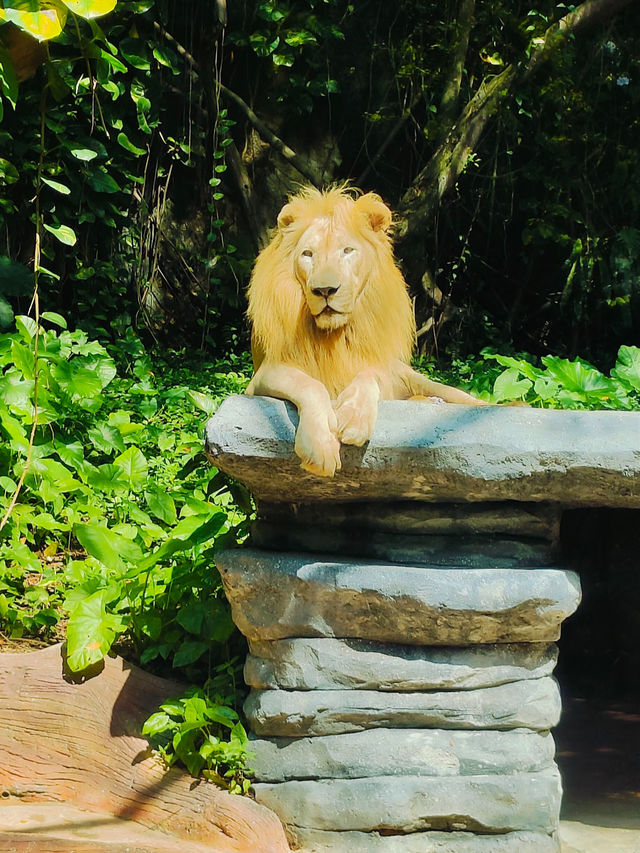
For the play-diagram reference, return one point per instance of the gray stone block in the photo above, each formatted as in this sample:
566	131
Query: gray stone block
484	804
401	752
522	704
439	453
317	841
535	521
288	595
327	664
415	549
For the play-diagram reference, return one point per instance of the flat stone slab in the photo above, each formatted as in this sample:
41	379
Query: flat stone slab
401	752
485	804
287	713
275	595
328	664
439	453
317	841
415	549
532	520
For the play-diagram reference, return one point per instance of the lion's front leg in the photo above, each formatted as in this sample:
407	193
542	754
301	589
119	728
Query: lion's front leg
357	409
316	444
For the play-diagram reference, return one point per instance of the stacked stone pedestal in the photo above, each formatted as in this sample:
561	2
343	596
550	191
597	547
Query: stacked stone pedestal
404	707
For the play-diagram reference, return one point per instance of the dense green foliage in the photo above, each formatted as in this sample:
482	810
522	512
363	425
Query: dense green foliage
113	535
156	182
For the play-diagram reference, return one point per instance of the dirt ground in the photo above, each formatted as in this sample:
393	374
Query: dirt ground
598	751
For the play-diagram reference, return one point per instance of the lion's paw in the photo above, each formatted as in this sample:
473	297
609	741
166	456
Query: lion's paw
318	451
357	413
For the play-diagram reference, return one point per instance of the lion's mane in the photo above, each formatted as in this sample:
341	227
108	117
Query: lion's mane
381	327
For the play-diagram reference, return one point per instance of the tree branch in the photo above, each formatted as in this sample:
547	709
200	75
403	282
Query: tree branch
420	202
451	94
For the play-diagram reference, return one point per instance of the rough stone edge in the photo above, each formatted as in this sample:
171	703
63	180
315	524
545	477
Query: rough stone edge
319	841
439	453
356	664
401	752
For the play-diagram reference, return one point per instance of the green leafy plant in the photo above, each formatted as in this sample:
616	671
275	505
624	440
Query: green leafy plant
193	730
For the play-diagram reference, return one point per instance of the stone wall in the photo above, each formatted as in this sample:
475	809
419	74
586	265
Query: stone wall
402	639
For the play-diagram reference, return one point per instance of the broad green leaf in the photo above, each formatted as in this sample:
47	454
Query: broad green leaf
106	438
46	521
91	631
8	78
191	616
23	358
57	186
577	377
164	56
107	546
188	532
627	369
207	404
519	364
509	385
128	145
90	8
135	53
76	380
157	723
133	464
44	24
108	478
102	182
8	172
161	505
57	474
84	154
56	319
114	62
26	326
17	392
189	652
63	233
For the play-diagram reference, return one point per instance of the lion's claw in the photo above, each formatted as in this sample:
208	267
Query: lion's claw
357	411
318	447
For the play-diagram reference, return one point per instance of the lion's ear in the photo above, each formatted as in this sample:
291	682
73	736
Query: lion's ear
376	210
286	216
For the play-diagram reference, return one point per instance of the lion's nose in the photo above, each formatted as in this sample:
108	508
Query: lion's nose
325	290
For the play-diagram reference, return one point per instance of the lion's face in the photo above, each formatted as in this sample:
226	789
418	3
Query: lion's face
330	263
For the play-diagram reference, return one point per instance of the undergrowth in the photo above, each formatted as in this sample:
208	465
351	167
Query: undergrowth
113	516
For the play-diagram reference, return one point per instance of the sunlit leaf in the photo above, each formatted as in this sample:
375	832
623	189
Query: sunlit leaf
133	464
91	631
106	545
90	8
63	233
128	145
627	368
510	386
44	24
85	154
57	186
8	78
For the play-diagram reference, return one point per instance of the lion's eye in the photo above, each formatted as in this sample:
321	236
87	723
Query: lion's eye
348	249
307	253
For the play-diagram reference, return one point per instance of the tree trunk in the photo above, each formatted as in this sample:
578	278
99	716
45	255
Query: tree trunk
79	744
